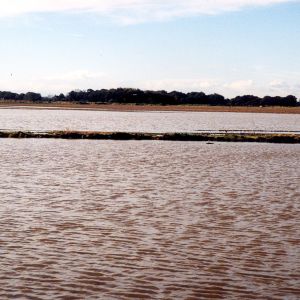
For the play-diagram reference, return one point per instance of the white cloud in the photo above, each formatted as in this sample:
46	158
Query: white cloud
276	87
240	85
59	83
279	87
186	85
278	84
78	75
131	11
86	79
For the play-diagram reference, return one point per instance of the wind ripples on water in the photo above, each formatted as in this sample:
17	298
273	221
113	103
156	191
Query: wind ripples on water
148	220
43	120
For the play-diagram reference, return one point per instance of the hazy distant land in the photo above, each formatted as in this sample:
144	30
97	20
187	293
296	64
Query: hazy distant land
128	99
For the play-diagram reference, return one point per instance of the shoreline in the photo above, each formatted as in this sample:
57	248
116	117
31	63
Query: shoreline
150	108
286	138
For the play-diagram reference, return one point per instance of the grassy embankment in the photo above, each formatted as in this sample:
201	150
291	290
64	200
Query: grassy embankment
209	137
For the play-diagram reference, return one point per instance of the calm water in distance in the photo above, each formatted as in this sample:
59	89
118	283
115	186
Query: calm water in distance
25	119
147	219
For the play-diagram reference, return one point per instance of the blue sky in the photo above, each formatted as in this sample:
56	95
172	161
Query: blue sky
230	47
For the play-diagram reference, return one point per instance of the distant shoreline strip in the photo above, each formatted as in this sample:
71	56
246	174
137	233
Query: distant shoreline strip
151	108
288	138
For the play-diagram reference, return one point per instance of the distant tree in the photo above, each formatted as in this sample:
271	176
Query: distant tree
35	97
5	95
279	101
60	97
246	100
178	97
216	99
130	95
196	98
290	100
20	96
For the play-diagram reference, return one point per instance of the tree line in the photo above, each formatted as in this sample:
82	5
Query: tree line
137	96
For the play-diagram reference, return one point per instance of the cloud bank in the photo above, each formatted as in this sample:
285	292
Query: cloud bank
131	11
86	79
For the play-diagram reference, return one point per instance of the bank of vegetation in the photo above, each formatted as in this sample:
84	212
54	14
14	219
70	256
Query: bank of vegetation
289	138
137	96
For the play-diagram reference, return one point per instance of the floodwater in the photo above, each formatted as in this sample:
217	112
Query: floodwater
149	220
43	120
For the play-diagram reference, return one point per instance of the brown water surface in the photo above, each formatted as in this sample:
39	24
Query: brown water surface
149	220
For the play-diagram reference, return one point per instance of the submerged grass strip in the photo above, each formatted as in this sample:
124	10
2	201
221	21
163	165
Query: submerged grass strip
211	137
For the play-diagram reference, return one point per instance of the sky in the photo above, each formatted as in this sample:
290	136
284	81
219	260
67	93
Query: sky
230	47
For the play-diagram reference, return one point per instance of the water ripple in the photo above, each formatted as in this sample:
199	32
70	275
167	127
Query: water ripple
148	220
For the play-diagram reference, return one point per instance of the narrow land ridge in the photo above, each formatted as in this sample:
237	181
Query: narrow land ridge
290	138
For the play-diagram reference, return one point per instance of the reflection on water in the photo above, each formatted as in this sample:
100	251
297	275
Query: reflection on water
148	220
24	119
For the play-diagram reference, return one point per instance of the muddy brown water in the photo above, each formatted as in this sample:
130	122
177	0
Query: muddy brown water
149	220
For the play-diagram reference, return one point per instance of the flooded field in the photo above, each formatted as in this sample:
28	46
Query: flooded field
149	220
25	119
